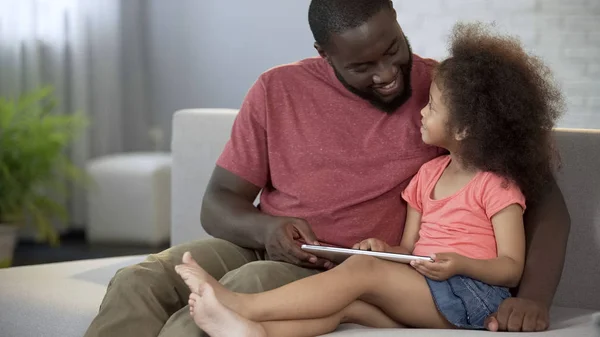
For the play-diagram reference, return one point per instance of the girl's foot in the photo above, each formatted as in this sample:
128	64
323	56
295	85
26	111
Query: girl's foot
217	320
192	274
195	277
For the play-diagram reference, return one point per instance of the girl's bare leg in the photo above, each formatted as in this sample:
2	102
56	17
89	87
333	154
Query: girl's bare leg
217	320
397	289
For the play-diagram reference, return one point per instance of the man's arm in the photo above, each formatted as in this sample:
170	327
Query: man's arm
547	226
228	211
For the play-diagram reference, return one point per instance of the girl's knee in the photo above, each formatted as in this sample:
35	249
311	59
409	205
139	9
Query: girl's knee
362	262
370	265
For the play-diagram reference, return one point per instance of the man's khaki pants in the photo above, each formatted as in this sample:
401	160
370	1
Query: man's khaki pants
150	299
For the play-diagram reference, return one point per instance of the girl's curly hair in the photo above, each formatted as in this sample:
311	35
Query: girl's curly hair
506	103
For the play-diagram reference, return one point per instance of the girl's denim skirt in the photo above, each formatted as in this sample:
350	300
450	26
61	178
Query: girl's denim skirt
466	302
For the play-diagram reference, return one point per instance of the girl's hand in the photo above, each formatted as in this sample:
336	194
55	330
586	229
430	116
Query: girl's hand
372	244
443	267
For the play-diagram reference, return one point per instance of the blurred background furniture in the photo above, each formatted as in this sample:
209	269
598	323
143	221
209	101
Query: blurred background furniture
131	198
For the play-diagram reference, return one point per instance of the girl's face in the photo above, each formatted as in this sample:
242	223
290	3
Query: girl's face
434	130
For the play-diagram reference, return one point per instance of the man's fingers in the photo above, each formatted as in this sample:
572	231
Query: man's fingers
515	320
287	257
541	324
504	313
530	322
306	232
293	250
491	323
323	264
356	246
543	321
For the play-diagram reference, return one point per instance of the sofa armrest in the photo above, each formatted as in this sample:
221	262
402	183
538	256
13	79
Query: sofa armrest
199	136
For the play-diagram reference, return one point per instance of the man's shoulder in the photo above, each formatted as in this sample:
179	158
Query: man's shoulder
424	62
309	67
423	68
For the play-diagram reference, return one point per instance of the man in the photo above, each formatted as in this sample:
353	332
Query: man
331	142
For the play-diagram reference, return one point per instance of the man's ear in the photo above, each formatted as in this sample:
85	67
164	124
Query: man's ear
321	51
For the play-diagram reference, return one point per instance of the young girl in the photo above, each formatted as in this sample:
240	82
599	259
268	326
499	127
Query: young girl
492	107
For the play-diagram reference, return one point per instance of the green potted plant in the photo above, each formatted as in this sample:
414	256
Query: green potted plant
34	167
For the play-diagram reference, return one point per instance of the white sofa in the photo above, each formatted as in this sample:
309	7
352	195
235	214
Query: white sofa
61	299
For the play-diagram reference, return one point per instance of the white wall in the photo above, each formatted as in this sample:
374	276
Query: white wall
207	53
565	33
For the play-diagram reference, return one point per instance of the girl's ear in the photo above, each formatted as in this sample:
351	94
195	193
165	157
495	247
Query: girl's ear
459	136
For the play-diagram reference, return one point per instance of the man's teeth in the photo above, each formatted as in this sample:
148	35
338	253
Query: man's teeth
389	85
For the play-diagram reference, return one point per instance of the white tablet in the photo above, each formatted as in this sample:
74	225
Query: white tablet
338	255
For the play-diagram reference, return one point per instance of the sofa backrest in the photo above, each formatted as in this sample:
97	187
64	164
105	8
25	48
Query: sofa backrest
199	136
579	181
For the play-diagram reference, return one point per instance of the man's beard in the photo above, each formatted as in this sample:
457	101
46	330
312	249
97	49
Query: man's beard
393	105
377	102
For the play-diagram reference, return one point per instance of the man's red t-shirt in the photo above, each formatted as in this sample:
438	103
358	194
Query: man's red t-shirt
325	155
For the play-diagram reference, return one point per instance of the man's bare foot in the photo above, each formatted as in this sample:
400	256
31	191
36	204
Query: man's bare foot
217	320
192	274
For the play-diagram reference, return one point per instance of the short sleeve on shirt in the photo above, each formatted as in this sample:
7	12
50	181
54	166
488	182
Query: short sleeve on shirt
412	194
245	154
499	193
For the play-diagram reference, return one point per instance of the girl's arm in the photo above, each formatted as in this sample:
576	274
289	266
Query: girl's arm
411	232
507	268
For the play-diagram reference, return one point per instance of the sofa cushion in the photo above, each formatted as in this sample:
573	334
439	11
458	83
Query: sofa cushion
61	299
58	299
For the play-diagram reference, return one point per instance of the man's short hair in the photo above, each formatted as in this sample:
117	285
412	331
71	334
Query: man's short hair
327	17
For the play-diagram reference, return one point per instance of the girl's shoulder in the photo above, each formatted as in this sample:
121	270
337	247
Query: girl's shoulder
435	165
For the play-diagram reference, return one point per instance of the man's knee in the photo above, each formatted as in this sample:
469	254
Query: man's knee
198	249
261	276
136	276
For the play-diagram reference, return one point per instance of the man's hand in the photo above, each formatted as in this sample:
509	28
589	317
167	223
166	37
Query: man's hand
372	244
282	242
519	314
443	267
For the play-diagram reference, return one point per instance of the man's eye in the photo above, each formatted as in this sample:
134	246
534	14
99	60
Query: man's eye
360	69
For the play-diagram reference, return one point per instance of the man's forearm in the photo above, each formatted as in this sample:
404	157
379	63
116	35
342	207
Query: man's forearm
547	228
231	217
